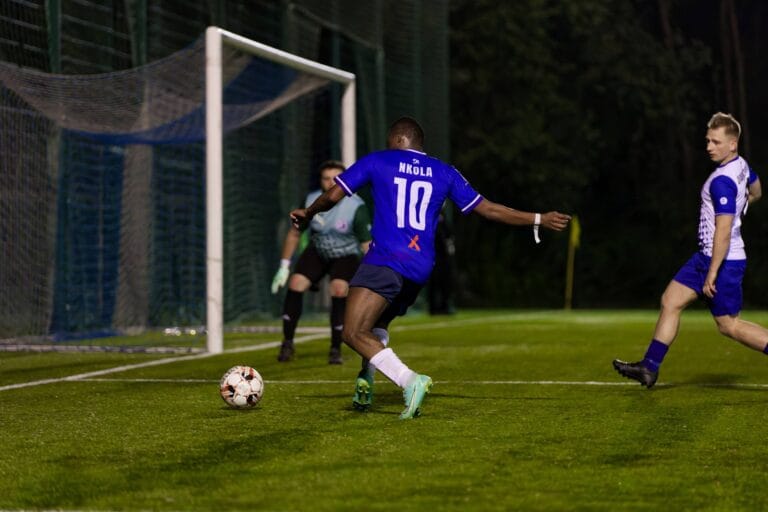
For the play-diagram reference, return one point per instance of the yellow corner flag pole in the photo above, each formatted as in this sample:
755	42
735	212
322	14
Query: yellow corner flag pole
574	240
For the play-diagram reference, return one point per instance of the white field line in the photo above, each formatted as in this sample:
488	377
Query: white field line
251	348
432	325
156	362
736	385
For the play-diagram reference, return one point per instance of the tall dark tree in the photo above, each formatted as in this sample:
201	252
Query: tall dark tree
733	64
597	107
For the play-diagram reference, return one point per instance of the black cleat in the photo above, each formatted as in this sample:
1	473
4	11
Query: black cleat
334	356
286	352
636	371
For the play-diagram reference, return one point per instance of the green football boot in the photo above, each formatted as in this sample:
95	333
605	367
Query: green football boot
363	391
414	394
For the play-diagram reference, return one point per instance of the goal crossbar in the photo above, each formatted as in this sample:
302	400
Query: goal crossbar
215	38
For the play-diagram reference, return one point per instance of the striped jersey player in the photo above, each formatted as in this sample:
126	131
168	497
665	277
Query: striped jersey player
715	272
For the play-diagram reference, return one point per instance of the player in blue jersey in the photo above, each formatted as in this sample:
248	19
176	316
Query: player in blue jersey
715	272
337	239
408	188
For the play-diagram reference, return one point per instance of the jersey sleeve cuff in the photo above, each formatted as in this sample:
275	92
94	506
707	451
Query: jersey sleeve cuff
343	185
471	206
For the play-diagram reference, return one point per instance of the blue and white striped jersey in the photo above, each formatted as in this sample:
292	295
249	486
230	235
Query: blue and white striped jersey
725	193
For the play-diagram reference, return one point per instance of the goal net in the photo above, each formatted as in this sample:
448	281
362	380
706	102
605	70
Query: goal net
151	200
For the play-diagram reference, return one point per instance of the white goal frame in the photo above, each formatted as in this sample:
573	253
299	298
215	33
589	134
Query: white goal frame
214	39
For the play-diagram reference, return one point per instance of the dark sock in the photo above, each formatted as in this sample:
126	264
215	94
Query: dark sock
338	307
765	350
291	313
655	355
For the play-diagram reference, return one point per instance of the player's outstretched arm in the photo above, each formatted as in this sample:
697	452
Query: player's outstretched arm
301	217
555	221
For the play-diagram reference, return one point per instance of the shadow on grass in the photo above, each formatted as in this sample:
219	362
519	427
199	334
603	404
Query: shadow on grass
735	381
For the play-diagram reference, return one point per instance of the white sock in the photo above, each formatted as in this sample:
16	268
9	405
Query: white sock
390	365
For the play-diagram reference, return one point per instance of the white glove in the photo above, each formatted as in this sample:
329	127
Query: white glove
281	277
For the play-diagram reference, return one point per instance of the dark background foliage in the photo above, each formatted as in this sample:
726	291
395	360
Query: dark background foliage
599	108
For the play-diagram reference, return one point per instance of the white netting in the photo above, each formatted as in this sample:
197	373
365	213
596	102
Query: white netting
159	103
102	219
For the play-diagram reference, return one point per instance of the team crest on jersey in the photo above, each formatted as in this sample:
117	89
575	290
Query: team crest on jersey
342	225
723	200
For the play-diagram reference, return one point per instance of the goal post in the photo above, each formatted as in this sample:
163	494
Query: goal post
215	39
145	204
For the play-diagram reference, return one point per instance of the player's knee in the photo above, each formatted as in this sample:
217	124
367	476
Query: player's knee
348	335
670	303
727	327
339	288
298	283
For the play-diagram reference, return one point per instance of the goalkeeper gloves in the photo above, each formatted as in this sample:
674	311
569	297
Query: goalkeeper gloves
281	277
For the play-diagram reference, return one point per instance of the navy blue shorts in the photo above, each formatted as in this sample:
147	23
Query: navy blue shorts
399	291
728	299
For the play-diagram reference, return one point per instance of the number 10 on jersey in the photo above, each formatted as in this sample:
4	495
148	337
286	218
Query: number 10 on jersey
417	198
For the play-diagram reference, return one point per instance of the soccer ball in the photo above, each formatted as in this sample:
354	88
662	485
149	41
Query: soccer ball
241	387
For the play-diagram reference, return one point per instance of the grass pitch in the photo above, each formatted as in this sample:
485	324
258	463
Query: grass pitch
526	414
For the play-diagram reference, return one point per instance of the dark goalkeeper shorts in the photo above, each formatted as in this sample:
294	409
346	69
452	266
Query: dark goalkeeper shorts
314	267
399	291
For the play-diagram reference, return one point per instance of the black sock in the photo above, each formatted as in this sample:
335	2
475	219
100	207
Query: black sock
338	306
291	313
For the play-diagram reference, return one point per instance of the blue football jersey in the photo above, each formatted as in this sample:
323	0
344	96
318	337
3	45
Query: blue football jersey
408	189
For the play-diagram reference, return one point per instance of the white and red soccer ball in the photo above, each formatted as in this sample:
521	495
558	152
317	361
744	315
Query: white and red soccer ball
241	387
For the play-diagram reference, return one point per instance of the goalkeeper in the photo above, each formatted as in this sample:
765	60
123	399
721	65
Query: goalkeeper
337	240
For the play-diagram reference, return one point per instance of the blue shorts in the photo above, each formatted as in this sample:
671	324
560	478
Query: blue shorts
399	291
728	299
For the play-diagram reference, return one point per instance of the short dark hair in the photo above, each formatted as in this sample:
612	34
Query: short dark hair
408	127
726	121
330	164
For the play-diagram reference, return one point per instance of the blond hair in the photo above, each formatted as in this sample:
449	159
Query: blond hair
726	121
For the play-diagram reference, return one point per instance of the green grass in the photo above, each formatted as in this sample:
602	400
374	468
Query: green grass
492	437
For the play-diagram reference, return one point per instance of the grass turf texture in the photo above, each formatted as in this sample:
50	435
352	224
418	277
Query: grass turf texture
491	436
